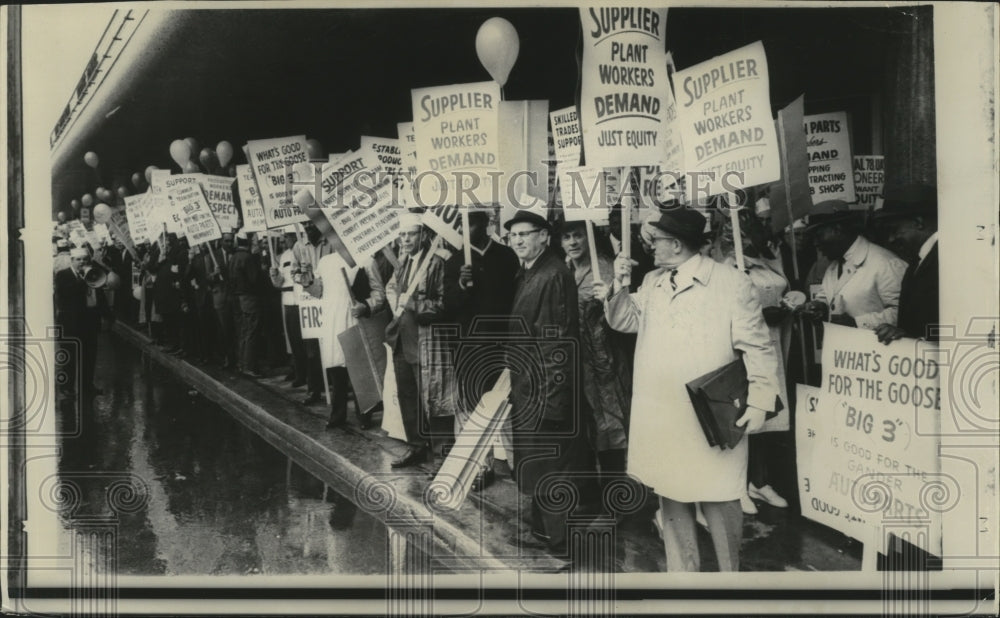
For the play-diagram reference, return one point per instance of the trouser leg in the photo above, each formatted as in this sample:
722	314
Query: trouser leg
725	524
251	335
314	365
295	341
408	390
757	460
550	523
680	539
339	383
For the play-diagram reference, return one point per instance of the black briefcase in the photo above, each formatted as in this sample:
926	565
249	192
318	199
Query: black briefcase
720	399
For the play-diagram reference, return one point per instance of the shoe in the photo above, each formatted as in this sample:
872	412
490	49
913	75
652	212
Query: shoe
767	494
414	455
311	399
336	422
365	420
483	480
749	508
298	383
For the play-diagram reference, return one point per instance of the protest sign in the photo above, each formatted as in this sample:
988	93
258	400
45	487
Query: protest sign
407	146
623	96
454	479
524	152
869	178
869	439
271	161
119	228
313	325
567	136
828	143
199	223
137	208
790	198
357	200
364	355
160	204
456	129
77	232
659	185
724	112
173	214
583	193
446	221
218	192
253	210
390	155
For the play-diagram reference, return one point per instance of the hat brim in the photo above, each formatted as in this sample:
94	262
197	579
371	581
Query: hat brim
527	217
699	237
901	212
845	217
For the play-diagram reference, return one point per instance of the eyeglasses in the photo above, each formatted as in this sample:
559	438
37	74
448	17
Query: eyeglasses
656	238
517	235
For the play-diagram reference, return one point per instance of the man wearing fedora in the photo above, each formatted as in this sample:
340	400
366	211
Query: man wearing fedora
549	441
909	218
861	284
692	316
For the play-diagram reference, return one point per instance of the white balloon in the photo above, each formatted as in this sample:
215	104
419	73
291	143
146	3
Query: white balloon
224	150
102	213
497	46
180	152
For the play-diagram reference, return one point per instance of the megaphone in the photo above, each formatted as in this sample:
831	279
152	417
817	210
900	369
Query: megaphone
96	276
100	276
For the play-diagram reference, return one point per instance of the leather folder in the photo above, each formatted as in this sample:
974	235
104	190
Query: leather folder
720	399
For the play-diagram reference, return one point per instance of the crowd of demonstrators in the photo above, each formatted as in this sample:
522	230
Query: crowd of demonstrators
600	394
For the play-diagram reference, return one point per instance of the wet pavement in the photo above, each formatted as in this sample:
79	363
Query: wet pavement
219	500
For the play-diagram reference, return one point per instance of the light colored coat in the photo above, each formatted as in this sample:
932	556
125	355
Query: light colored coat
712	316
329	284
868	289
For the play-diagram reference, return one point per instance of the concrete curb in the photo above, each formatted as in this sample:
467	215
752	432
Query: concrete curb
380	493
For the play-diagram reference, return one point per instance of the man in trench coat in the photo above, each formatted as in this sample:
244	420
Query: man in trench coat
692	315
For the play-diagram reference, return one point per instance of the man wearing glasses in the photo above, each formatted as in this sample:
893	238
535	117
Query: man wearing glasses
692	315
549	444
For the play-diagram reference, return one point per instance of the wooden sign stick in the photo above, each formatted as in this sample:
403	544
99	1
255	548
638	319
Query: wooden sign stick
466	243
592	246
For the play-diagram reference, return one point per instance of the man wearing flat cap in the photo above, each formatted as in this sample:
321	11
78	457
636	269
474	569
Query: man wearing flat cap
861	284
410	337
909	218
692	315
546	421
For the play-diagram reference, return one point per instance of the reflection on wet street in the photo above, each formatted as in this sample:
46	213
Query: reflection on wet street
218	499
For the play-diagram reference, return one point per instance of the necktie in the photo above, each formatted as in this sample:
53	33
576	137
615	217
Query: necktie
673	279
840	268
